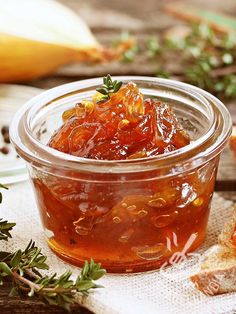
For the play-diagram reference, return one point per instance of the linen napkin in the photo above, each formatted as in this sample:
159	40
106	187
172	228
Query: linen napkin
163	291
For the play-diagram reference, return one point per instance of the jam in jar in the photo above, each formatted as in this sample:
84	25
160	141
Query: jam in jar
125	175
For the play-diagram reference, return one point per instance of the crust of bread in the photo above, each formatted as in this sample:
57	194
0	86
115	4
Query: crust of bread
218	281
227	232
218	269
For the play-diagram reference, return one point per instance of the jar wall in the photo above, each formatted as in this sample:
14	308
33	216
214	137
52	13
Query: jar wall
128	226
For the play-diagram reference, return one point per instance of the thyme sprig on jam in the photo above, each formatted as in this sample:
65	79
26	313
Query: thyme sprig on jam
24	268
108	87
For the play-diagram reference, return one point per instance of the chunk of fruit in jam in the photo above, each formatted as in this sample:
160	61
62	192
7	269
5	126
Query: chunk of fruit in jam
124	126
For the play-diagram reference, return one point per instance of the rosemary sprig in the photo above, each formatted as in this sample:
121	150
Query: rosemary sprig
25	268
109	87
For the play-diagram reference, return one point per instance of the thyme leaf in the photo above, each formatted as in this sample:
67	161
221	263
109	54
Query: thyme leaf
109	87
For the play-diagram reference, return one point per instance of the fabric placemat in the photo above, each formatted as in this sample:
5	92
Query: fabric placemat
165	291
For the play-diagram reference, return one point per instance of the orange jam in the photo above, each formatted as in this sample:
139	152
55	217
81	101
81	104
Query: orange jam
125	126
133	225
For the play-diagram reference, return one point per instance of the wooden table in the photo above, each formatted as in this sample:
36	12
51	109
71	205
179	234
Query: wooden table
107	19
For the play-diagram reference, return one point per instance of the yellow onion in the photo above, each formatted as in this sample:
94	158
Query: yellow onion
38	36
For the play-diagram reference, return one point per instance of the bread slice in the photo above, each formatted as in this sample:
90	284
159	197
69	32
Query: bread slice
225	238
218	269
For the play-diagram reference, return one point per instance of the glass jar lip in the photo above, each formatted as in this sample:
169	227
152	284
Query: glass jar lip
48	156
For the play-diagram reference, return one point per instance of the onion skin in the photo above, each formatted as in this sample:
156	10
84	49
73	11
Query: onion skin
23	59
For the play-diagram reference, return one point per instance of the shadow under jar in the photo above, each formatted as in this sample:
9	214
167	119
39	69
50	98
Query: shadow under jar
130	215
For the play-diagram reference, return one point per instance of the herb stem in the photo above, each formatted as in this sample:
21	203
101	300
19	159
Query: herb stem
37	287
20	279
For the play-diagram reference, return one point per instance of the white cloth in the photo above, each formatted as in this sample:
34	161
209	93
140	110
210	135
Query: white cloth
167	291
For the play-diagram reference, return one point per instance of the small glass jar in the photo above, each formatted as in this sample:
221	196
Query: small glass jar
130	215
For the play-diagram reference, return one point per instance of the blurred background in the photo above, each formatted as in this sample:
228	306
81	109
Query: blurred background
134	15
140	38
147	22
143	24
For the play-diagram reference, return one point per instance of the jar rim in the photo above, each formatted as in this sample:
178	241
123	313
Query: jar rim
38	153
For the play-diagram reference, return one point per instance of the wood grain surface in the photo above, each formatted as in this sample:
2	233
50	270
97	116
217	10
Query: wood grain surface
107	19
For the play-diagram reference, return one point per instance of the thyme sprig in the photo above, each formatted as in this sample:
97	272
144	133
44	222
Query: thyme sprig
25	267
197	55
208	60
108	87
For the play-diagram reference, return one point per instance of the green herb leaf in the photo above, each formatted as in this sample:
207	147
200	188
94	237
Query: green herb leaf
153	46
108	87
5	228
5	269
16	259
2	187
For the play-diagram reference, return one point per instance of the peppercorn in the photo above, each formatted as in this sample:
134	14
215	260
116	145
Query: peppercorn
5	130
6	138
4	150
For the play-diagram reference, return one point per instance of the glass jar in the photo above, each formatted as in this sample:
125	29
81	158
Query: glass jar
130	215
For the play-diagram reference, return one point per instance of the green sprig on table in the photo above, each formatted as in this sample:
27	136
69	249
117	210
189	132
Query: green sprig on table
201	56
24	268
208	60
